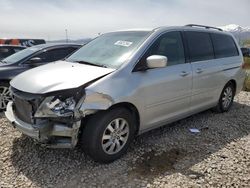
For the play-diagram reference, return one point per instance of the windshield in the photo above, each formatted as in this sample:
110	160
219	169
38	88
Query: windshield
20	55
109	50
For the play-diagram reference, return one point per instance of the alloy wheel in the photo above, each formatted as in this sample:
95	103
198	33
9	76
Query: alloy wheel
5	97
115	136
227	97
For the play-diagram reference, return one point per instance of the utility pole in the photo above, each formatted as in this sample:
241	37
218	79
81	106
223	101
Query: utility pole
66	35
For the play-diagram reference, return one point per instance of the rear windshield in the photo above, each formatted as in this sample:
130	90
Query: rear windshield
20	55
17	49
110	50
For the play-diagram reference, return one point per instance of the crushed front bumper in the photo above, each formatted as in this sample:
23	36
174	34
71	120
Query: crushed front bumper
56	135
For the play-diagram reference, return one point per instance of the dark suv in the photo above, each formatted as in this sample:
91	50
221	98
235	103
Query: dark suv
7	50
27	59
246	51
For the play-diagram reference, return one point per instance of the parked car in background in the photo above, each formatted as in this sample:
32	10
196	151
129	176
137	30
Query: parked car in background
7	50
23	42
246	54
27	59
246	51
125	83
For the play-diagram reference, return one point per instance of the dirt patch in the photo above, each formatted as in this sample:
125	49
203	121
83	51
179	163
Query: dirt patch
154	163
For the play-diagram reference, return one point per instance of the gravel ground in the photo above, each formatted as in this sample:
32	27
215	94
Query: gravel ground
171	156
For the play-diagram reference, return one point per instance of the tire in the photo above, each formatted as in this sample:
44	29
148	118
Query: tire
98	140
5	96
226	98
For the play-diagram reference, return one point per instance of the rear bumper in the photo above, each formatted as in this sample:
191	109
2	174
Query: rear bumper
51	134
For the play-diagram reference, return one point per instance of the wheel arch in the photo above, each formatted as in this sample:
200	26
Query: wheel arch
132	109
95	102
5	81
234	84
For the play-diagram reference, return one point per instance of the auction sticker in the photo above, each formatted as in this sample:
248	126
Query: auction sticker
123	43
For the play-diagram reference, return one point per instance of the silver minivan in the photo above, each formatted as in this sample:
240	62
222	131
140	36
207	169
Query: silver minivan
124	83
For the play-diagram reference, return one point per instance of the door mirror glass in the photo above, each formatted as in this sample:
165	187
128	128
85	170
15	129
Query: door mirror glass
35	60
157	61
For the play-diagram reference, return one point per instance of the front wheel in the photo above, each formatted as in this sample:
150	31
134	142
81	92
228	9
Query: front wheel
226	98
107	134
5	95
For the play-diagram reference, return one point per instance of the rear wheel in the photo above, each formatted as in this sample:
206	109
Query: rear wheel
107	134
226	98
5	95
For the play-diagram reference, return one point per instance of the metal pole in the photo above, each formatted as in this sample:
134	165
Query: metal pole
66	33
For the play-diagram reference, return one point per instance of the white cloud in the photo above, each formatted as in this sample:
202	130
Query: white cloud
43	19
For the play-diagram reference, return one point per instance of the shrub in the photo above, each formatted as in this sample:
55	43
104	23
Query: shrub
247	81
247	63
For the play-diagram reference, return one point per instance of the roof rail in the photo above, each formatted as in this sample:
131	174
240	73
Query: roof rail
204	26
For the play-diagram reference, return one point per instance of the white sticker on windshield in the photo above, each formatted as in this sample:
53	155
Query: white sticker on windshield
123	43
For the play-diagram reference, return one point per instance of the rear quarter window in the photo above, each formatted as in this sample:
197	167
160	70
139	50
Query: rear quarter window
200	46
224	46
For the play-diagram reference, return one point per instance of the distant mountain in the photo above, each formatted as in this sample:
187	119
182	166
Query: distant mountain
241	33
235	28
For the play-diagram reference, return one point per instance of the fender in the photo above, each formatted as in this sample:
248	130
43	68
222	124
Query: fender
95	101
9	72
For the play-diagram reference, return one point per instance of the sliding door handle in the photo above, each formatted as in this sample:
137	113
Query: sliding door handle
184	73
199	70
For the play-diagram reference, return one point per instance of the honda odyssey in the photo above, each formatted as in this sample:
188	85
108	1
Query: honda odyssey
124	83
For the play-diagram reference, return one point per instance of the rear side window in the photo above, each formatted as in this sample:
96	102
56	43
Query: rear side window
199	45
224	46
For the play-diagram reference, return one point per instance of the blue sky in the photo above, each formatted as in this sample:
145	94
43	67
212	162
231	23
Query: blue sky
86	18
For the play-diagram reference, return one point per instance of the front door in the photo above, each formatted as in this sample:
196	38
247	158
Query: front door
166	91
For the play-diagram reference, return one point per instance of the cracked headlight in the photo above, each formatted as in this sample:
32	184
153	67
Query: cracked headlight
62	107
54	107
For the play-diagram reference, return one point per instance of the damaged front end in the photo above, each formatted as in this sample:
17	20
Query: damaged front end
52	119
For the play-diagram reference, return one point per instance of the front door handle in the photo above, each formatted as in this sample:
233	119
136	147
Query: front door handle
184	73
199	70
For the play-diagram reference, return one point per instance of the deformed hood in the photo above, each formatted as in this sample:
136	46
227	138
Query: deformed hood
57	76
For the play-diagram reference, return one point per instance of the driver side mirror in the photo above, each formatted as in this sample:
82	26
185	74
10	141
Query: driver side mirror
156	61
35	60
